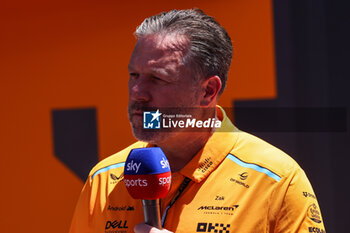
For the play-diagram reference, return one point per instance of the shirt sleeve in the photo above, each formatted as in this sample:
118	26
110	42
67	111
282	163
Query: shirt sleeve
82	217
299	211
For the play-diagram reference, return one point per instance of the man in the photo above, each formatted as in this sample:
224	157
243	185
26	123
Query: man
222	180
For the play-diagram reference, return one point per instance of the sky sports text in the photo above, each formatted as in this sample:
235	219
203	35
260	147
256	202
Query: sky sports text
133	166
143	182
165	163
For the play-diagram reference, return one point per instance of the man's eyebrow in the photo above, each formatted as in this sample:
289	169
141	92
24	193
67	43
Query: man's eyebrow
130	67
154	70
160	71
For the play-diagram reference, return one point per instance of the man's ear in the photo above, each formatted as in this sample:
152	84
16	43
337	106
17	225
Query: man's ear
211	87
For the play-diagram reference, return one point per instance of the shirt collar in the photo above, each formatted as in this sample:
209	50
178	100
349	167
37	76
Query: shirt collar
214	151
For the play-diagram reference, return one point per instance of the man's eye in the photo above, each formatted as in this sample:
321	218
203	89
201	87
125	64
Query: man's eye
157	79
133	75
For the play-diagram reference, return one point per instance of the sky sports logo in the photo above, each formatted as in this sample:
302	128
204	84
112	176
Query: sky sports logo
157	120
135	166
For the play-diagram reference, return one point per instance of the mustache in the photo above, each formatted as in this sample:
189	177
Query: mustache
137	106
140	107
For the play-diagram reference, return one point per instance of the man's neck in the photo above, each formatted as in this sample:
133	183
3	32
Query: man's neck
180	151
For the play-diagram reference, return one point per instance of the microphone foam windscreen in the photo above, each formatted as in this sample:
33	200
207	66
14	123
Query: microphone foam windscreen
147	173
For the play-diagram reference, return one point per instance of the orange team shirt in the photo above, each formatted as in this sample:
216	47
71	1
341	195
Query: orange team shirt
238	183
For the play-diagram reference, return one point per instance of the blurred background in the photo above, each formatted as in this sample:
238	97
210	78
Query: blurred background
63	92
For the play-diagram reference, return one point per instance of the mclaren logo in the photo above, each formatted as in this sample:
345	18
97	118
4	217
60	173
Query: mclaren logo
225	208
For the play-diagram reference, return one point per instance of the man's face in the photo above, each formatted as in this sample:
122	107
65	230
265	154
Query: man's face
159	79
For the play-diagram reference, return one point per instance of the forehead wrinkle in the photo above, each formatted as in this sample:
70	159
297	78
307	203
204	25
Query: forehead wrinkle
167	65
167	54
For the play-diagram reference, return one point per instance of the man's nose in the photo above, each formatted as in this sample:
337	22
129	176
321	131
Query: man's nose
139	89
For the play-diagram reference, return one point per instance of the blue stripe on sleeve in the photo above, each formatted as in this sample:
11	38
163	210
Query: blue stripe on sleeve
107	168
254	167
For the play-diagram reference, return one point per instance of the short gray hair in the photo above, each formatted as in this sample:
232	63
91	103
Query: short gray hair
210	46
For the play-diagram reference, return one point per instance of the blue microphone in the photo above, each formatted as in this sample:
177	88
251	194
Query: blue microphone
147	176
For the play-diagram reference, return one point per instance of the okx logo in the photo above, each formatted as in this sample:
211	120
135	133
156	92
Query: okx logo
151	120
213	227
